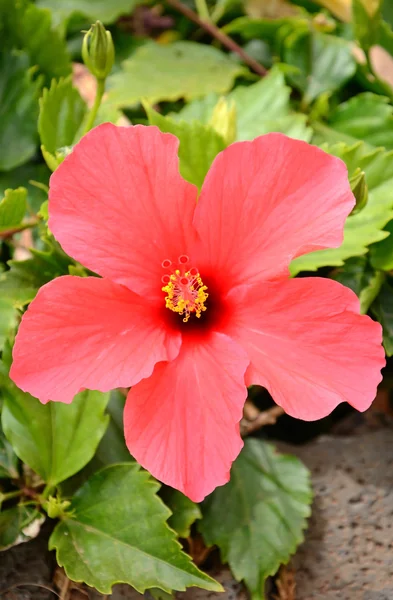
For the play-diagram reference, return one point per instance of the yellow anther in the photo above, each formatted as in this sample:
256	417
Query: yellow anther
186	294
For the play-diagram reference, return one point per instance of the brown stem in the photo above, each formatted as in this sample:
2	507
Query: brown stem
219	35
253	419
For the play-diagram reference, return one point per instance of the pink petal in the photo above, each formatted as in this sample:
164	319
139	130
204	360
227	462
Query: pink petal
119	206
308	345
182	424
88	333
265	202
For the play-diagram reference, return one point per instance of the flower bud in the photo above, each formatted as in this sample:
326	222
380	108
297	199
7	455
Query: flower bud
359	189
223	120
98	52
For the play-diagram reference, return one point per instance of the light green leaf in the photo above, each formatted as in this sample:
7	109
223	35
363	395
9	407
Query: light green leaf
382	252
184	511
324	62
367	226
367	117
117	533
21	176
18	111
257	519
8	459
358	275
13	208
260	108
56	440
61	114
366	22
180	70
199	144
103	10
383	311
7	317
14	525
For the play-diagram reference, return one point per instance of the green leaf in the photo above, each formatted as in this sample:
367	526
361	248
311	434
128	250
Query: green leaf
257	519
8	459
21	176
117	533
14	525
260	108
264	107
358	275
7	318
382	252
103	10
18	111
56	440
324	62
61	114
366	117
366	23
383	311
199	144
180	70
12	208
22	281
184	511
366	226
112	447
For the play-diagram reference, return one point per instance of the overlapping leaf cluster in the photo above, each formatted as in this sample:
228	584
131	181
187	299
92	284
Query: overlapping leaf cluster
116	525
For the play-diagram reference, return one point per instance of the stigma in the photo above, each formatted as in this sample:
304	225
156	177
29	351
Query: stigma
185	292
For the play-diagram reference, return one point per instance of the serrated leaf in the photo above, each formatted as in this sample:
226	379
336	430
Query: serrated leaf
383	311
21	282
260	108
257	519
367	226
18	111
13	208
367	117
103	10
358	275
117	533
184	511
381	254
324	62
56	440
199	144
21	176
61	114
14	525
8	459
180	70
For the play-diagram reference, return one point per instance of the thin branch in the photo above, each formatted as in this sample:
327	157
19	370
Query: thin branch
219	35
252	421
19	585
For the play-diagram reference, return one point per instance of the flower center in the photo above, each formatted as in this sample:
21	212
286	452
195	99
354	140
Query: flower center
186	294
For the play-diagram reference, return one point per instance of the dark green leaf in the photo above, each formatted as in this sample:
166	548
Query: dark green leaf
12	208
180	70
358	275
257	519
184	511
383	310
324	62
18	524
199	145
18	111
103	10
61	114
21	176
367	226
367	117
8	459
112	447
56	440
117	533
382	252
366	23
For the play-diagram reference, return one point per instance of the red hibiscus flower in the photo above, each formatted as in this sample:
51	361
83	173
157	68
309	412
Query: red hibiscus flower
195	301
